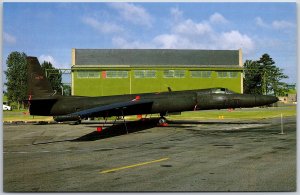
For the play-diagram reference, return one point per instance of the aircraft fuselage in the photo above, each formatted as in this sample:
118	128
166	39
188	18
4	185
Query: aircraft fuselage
165	102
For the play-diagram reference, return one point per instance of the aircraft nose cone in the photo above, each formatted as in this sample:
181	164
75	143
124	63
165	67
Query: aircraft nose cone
273	99
270	99
262	100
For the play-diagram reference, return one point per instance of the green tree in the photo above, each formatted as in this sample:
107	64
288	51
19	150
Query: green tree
67	90
54	76
271	77
264	77
16	76
252	77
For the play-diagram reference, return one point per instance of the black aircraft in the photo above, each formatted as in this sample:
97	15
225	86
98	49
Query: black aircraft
45	102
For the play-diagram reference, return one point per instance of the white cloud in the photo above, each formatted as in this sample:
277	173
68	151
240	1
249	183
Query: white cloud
48	58
235	40
190	27
276	24
123	43
133	13
282	24
217	18
167	41
8	38
259	22
176	41
176	13
103	27
227	40
190	34
53	61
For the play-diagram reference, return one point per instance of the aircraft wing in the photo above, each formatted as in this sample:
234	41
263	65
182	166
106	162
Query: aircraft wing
115	109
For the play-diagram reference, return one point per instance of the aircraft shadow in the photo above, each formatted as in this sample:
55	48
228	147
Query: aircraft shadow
117	130
136	126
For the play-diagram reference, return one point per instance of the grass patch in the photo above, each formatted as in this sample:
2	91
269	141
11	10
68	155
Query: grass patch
244	113
23	115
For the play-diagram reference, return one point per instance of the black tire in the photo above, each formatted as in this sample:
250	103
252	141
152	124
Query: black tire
162	120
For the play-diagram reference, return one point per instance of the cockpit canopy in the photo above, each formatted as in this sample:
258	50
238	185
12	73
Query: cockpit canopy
221	91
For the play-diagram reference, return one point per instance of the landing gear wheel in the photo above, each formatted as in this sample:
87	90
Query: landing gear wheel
162	120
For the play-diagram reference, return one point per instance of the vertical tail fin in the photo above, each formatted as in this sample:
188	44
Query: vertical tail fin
38	84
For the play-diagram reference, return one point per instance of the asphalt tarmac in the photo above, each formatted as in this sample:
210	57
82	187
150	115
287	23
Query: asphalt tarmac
202	156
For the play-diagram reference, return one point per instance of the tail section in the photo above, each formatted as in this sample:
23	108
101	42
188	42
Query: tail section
38	84
41	94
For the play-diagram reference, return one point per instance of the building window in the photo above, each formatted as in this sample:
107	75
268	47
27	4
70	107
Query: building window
174	73
222	74
200	74
88	74
144	74
116	74
226	74
233	74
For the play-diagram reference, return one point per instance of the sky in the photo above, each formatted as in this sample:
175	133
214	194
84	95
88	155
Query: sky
50	30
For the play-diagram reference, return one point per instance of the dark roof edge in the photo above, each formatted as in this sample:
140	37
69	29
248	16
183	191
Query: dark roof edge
157	66
155	57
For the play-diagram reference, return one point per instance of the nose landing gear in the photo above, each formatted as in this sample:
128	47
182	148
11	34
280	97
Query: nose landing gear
162	121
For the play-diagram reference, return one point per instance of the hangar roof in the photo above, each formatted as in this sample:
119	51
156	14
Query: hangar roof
155	57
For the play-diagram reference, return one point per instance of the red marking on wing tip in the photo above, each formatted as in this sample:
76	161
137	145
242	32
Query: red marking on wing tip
136	98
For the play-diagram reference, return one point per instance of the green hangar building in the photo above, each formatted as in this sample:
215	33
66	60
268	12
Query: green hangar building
103	72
